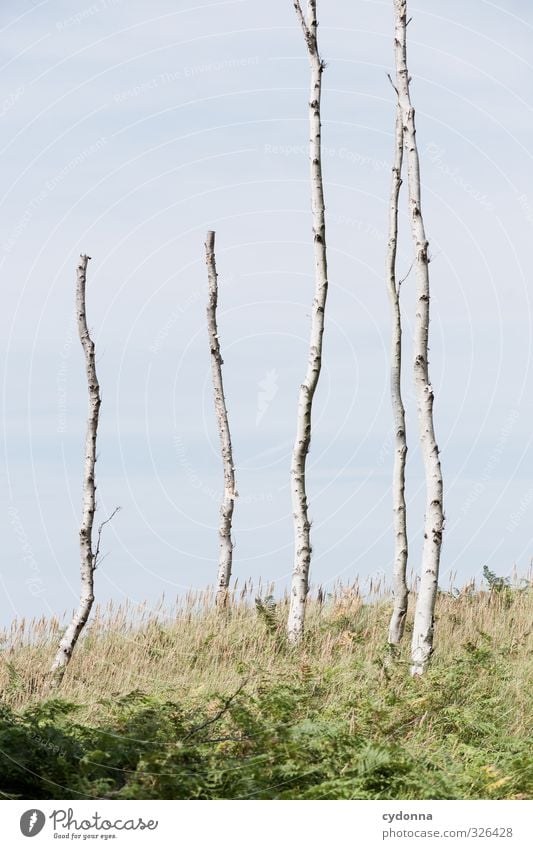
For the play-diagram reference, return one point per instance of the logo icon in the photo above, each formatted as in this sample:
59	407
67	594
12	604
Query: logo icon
268	389
32	822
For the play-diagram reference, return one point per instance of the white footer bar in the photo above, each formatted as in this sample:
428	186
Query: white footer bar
272	824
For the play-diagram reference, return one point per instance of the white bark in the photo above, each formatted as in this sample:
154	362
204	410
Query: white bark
422	644
88	559
401	593
228	499
302	545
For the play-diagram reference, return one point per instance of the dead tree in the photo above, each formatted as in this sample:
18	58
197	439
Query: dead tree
401	593
89	557
228	499
302	544
422	644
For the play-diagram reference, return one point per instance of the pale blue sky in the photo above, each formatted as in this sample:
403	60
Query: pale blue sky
127	130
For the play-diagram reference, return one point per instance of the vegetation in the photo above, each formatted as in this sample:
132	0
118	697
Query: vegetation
204	705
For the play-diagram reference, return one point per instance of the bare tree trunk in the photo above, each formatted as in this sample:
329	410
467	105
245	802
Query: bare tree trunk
230	494
88	558
422	645
302	545
401	593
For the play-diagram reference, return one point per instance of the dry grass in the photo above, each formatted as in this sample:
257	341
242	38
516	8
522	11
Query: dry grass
338	717
191	651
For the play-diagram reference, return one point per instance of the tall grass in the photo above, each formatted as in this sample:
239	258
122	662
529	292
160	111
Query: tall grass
463	731
193	649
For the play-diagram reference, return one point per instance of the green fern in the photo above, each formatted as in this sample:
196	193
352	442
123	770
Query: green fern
267	613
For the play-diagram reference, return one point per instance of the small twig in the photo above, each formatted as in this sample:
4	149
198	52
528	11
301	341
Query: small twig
105	522
392	84
219	714
403	279
225	740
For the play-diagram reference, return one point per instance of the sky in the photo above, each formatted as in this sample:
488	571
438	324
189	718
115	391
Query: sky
129	129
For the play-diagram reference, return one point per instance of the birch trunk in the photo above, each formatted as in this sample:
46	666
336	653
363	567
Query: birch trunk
401	593
302	545
422	644
88	559
228	499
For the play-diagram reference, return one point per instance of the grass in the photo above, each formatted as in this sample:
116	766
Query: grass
195	704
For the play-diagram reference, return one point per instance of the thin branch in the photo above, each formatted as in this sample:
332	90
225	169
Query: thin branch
105	522
301	17
226	740
403	279
392	84
224	709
